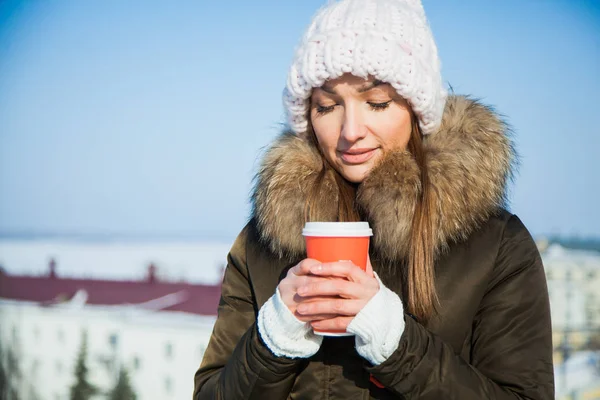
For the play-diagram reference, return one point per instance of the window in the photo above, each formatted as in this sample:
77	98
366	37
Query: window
113	340
169	351
136	363
58	367
35	366
168	385
60	335
15	334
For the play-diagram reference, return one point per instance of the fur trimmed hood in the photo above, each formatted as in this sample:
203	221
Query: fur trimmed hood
470	160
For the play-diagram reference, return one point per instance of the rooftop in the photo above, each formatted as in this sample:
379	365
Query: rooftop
149	293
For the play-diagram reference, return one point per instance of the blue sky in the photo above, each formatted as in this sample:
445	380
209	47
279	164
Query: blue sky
148	117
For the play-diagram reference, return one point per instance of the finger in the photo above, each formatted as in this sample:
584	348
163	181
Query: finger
330	287
340	269
311	318
336	307
307	299
333	324
369	270
304	266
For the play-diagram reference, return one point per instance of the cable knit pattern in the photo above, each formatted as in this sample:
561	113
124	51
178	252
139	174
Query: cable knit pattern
283	333
389	40
379	326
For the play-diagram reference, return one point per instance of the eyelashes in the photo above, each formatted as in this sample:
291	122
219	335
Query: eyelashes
380	106
322	110
325	110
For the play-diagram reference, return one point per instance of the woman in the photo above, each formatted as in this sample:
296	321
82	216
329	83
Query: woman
457	307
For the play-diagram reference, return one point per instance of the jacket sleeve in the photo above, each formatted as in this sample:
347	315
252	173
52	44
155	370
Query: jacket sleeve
237	364
511	345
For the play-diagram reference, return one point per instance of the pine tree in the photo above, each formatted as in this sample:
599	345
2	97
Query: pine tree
3	375
82	389
4	382
10	374
122	389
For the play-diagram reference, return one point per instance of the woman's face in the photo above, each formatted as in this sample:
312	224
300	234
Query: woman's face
356	121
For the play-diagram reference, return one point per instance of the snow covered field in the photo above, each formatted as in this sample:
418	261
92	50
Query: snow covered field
194	262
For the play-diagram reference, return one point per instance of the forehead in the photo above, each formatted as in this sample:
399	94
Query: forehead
351	85
351	80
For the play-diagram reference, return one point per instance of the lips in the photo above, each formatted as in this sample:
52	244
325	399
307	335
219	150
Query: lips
357	156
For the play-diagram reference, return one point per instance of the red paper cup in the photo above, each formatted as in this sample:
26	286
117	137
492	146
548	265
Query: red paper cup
337	241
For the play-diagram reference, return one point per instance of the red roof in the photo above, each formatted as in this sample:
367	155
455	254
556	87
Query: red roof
190	298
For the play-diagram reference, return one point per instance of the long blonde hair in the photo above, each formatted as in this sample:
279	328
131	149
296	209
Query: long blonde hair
421	294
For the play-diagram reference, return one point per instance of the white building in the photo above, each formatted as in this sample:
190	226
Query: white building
157	324
154	320
161	350
574	286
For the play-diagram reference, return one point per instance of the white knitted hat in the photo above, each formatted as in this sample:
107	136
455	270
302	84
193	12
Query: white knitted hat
389	40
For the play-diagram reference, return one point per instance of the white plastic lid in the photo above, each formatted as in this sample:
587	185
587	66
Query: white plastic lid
337	229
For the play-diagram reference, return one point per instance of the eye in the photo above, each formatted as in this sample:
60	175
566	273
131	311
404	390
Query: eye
379	106
325	109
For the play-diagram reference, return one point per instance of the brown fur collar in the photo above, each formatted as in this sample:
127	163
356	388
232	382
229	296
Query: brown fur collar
470	159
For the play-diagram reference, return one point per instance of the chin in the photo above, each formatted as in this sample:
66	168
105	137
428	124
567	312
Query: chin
356	174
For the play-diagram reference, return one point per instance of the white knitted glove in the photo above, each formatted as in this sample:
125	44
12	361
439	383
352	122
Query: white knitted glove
378	326
283	333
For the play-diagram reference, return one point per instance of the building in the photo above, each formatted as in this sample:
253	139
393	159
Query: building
157	325
156	329
574	286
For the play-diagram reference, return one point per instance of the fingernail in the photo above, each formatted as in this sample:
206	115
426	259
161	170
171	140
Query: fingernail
317	268
302	290
301	308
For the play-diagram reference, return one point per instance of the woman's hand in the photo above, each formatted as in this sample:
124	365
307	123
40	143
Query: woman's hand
297	276
336	292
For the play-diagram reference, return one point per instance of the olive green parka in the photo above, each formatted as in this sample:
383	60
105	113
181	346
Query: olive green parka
491	337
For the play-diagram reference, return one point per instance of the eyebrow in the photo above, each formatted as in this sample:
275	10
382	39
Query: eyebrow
362	89
370	86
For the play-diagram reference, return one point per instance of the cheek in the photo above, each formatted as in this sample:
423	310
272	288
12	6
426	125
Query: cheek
395	129
327	133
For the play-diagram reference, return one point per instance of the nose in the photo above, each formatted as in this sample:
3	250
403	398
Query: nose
353	128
